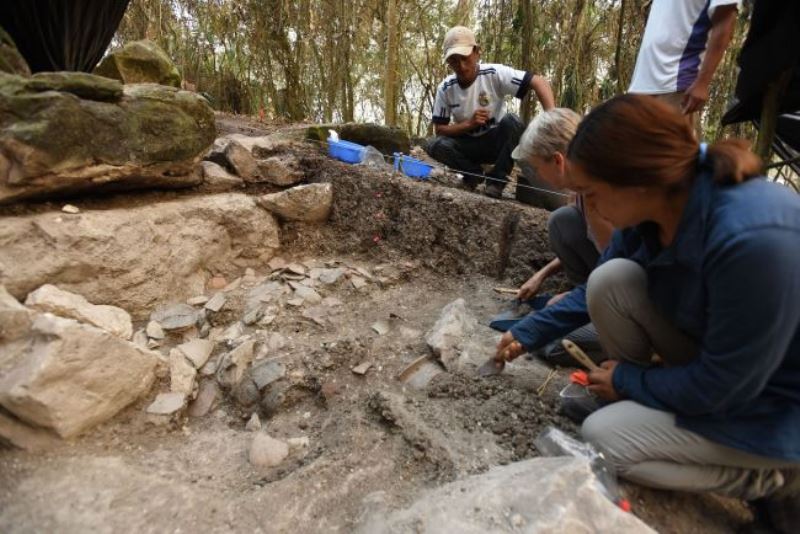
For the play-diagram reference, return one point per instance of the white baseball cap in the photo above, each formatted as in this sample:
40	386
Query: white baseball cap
459	40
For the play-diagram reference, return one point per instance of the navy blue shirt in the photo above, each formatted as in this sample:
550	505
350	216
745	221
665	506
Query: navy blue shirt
731	281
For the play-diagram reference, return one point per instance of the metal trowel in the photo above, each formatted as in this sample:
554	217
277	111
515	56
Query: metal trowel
493	366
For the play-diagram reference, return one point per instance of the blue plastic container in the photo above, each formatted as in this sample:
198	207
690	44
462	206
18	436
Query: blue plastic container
346	151
412	167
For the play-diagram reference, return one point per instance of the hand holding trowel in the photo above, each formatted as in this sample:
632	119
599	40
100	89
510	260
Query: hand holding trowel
496	364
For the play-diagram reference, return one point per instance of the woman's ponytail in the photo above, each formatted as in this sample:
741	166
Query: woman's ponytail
732	161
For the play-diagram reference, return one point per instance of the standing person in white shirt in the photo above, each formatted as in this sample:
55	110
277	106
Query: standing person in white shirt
469	115
683	43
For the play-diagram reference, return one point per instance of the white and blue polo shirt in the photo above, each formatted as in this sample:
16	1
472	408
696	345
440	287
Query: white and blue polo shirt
488	91
673	45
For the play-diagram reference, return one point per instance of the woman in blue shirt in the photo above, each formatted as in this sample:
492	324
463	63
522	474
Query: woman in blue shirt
698	300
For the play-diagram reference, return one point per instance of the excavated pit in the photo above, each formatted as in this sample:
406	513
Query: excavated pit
372	440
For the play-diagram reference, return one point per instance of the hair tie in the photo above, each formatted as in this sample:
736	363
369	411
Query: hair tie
701	159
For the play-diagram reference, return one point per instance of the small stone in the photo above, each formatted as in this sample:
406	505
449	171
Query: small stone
277	263
317	314
199	300
267	373
381	327
216	302
357	282
266	451
209	368
246	392
140	339
167	404
307	294
154	330
176	317
331	276
253	424
296	268
153	344
234	364
217	282
362	368
207	395
69	208
363	272
295	302
234	331
517	520
252	316
233	285
249	273
181	373
298	443
266	320
331	302
197	351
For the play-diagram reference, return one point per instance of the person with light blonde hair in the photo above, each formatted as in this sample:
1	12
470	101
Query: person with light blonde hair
577	235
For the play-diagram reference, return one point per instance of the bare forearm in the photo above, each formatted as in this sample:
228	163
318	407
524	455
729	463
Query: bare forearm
724	23
454	129
550	269
543	92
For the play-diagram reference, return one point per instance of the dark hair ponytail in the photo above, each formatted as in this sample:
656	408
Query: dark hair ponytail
638	140
732	161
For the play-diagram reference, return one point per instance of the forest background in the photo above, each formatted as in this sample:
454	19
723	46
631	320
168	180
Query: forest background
380	60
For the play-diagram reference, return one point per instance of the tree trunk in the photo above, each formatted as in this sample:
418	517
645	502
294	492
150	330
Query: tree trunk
526	63
390	79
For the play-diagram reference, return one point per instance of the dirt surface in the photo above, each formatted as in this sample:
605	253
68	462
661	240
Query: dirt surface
373	440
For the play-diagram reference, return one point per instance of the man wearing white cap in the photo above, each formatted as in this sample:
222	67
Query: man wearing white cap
469	116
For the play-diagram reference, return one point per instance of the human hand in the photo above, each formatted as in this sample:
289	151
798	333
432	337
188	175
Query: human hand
694	98
481	117
508	348
529	289
601	381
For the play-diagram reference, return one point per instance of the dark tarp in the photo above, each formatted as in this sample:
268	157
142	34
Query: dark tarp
772	46
55	35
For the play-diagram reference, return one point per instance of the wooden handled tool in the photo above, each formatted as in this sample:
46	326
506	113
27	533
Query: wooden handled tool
506	290
580	356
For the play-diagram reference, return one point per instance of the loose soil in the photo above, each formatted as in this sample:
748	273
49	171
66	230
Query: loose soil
374	442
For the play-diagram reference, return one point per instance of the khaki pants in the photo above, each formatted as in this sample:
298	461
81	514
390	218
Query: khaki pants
645	444
674	100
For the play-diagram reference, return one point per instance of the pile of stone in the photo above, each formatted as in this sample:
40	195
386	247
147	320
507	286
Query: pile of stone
66	365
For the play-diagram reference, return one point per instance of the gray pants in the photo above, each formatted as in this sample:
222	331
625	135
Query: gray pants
569	239
645	444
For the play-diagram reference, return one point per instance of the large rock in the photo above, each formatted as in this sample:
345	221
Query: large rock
67	132
69	376
217	179
386	139
535	496
280	171
140	62
306	203
15	319
136	257
11	61
49	298
449	335
235	158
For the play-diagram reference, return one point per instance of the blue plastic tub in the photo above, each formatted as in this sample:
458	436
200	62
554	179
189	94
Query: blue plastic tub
346	151
412	167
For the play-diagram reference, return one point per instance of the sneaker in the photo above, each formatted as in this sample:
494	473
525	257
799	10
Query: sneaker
494	190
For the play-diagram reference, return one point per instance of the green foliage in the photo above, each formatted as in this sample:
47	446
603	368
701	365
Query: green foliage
325	60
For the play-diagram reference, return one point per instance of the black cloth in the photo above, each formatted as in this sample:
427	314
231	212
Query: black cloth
772	46
55	35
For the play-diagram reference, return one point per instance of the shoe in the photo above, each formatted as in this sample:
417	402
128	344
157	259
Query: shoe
494	190
468	186
579	407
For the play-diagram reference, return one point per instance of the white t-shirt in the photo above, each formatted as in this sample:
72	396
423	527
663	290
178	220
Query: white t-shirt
487	91
673	45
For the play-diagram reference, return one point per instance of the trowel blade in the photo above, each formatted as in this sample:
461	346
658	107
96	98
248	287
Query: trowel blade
492	367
